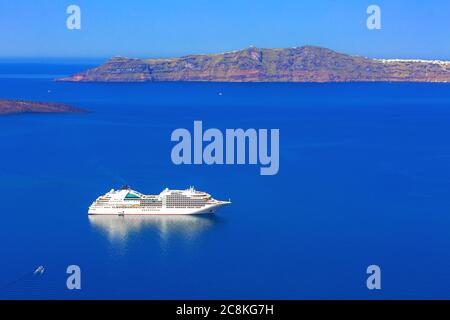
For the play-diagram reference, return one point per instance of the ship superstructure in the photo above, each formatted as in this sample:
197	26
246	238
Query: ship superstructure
126	201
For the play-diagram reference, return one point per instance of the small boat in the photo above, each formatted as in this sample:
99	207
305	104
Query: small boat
39	270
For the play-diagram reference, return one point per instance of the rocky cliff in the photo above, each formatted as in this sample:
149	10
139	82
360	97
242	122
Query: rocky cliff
302	64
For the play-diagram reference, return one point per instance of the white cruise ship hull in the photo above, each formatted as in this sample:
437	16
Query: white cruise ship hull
156	211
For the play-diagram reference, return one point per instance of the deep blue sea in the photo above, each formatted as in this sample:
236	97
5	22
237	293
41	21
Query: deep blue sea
364	179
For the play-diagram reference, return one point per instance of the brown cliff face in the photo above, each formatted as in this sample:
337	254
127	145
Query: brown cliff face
13	106
303	64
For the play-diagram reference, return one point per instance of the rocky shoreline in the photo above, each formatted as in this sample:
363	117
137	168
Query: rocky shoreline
300	64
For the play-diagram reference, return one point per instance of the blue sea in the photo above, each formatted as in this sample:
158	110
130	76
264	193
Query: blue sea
364	180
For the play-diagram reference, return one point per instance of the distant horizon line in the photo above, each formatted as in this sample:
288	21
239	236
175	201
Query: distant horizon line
180	55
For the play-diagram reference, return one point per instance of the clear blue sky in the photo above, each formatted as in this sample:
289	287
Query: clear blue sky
160	28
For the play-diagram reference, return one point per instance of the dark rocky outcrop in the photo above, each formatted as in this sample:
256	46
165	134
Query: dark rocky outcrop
14	106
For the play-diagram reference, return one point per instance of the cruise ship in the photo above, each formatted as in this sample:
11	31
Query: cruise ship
126	201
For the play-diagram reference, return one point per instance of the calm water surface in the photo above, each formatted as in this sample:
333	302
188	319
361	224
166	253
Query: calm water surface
364	179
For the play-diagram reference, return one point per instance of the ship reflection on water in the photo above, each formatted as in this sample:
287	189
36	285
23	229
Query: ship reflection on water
120	228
